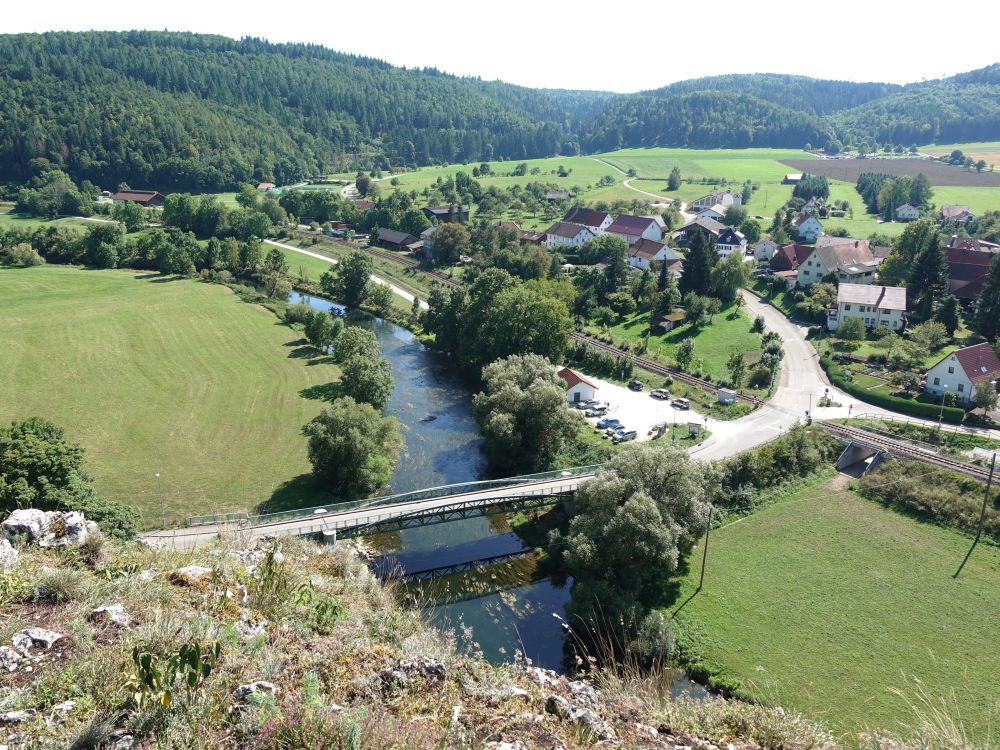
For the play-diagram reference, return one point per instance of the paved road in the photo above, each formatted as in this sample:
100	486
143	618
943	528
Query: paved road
189	538
332	261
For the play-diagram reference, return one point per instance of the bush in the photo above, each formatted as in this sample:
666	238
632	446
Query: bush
113	517
838	377
760	377
300	312
758	325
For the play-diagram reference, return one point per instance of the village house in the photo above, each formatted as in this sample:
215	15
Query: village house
875	305
848	259
451	213
906	212
967	271
764	250
363	205
645	253
672	319
578	387
723	198
971	243
789	257
710	227
567	234
811	207
597	221
634	228
510	226
391	239
962	370
145	198
808	228
557	196
956	213
730	241
793	178
713	212
534	238
266	186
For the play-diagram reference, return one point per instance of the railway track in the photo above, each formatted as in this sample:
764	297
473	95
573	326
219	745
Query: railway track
903	449
656	368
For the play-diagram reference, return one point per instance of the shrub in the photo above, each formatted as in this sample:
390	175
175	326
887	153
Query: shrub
758	325
300	312
58	585
760	377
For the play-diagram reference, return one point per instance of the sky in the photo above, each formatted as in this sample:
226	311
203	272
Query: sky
623	46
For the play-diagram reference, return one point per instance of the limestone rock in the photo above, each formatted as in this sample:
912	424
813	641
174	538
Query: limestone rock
247	628
258	687
544	677
9	658
120	740
583	692
23	640
9	556
404	673
49	528
111	613
584	717
17	717
65	707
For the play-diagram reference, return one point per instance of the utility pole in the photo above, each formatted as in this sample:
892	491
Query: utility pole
704	555
982	517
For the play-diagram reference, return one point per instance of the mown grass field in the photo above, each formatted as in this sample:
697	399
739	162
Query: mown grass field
11	220
988	151
827	603
153	375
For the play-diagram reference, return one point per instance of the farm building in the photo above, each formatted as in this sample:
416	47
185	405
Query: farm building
447	213
875	305
792	178
145	198
967	271
266	186
713	212
723	198
578	387
957	213
390	239
557	196
962	370
708	226
906	212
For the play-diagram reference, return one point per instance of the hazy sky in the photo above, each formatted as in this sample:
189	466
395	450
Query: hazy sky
627	45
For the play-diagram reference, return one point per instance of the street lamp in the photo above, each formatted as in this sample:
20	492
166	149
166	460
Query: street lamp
944	391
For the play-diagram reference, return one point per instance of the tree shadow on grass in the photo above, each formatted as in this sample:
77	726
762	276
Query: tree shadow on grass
298	492
322	392
147	276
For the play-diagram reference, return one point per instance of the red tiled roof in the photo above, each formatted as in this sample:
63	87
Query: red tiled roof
979	362
139	196
573	378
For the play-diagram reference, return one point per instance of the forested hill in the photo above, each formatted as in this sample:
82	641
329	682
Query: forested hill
179	111
782	110
176	110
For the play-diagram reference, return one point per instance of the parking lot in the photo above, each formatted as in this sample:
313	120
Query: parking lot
639	411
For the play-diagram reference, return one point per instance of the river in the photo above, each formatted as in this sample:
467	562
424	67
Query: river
507	610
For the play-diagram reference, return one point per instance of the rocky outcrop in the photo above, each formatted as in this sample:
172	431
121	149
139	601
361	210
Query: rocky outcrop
192	575
48	528
23	640
583	717
404	673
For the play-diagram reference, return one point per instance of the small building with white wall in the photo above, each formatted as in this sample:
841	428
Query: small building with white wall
578	387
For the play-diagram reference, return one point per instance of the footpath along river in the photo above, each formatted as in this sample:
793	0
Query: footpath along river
503	608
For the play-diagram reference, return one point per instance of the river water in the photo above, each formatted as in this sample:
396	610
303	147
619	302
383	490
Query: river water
506	610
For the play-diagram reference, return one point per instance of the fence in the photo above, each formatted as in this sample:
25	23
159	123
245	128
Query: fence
429	492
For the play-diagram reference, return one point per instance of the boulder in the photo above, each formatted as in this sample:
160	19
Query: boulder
258	687
248	628
9	556
48	528
583	692
9	658
23	640
583	717
115	614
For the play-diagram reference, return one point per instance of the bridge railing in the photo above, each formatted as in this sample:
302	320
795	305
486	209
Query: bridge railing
423	494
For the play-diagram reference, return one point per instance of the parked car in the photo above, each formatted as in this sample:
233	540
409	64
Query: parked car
596	411
635	385
624	436
583	405
661	393
613	432
681	403
608	422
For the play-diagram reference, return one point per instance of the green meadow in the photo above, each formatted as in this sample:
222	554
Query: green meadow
152	374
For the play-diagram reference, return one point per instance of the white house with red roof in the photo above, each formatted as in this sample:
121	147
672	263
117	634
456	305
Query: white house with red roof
597	221
875	305
578	387
567	234
808	228
962	370
635	228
